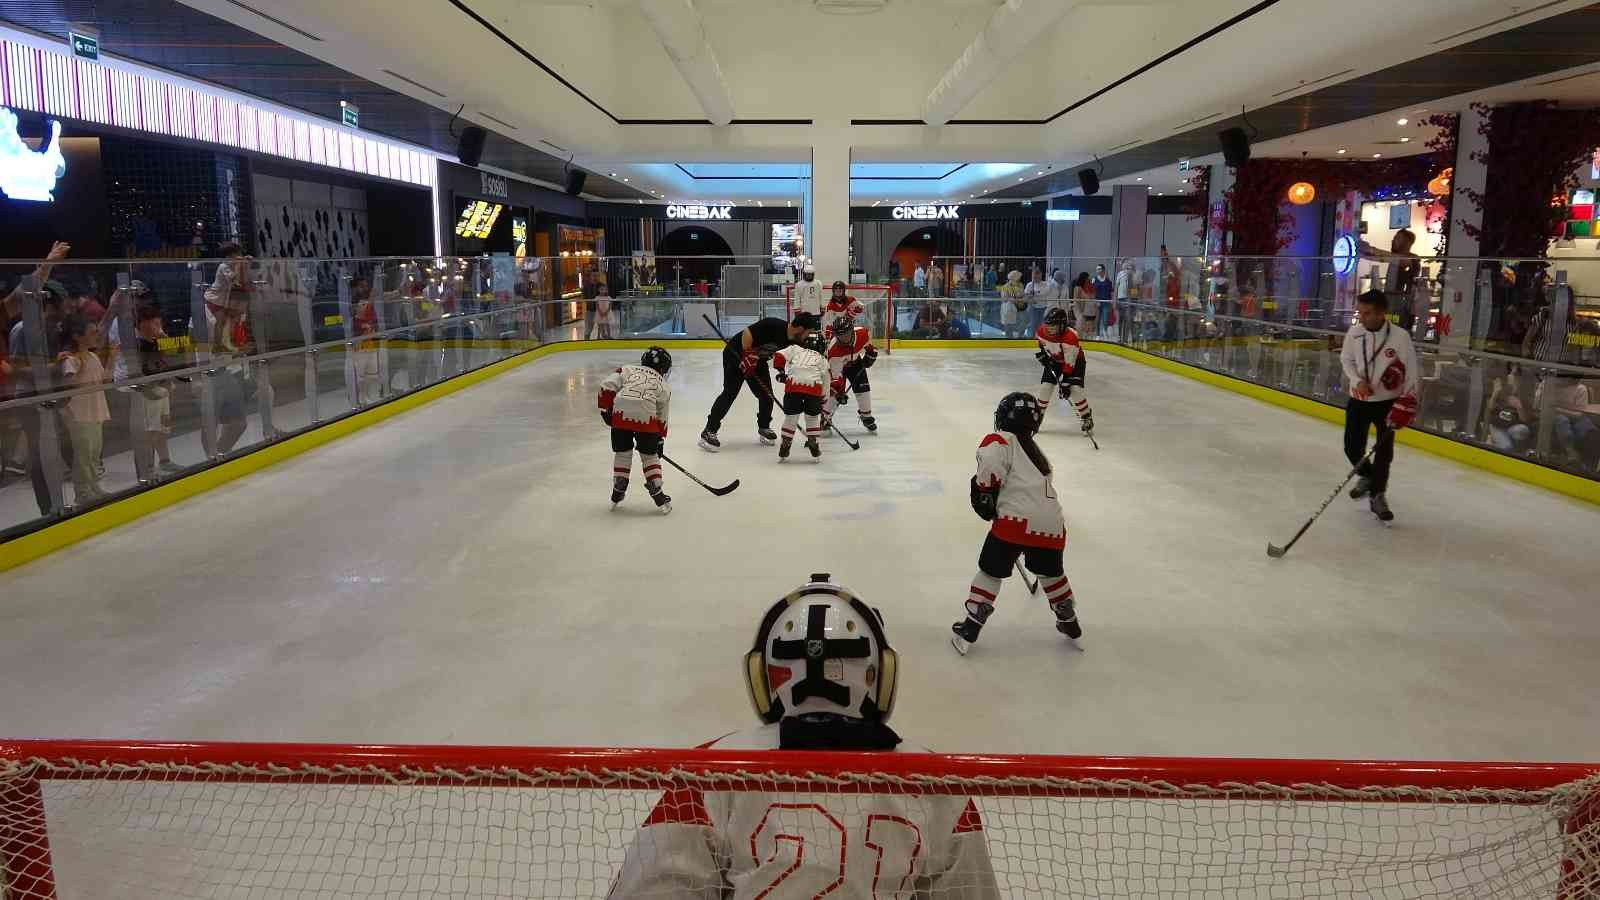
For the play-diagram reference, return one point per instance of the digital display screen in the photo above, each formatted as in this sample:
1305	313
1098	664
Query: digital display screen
519	236
477	218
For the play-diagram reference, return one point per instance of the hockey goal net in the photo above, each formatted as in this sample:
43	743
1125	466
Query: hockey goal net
97	819
879	303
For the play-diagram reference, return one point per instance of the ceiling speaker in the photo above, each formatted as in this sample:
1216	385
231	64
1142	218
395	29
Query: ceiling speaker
1090	180
469	149
575	180
1235	147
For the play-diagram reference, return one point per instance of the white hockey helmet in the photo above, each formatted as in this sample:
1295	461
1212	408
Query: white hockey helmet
809	272
821	650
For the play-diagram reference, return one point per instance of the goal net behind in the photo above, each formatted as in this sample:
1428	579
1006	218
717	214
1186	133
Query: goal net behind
95	819
878	300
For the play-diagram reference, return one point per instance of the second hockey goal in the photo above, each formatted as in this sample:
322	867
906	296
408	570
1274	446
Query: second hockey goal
100	819
878	302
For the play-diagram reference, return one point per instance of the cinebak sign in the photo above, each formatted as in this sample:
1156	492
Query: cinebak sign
927	212
27	174
698	213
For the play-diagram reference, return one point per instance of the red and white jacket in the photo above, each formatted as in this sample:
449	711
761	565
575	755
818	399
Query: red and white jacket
1027	512
637	398
844	306
804	371
1063	347
849	846
847	349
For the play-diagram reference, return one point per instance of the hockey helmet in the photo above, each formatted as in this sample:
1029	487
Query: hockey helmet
1019	412
821	650
809	273
840	288
814	342
1056	318
842	326
657	358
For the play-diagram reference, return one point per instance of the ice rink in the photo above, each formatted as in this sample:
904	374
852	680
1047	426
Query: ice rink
455	574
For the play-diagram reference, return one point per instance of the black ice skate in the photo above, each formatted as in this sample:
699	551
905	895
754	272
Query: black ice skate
1067	619
1363	488
663	502
783	448
1379	504
708	441
814	447
1087	423
619	489
767	436
870	423
964	635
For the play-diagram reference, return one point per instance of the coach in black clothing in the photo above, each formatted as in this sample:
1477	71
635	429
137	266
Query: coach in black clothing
744	361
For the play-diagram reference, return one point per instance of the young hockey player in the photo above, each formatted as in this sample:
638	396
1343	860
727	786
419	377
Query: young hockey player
744	363
850	355
822	677
840	303
1064	366
807	292
804	373
1012	489
1380	368
633	401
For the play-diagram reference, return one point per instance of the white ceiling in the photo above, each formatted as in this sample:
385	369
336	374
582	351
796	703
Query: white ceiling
785	59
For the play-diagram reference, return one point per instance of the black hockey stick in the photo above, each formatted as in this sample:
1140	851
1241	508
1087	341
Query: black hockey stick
774	400
726	489
1276	552
713	326
1032	586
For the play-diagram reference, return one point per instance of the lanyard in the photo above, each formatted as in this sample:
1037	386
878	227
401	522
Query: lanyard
1366	367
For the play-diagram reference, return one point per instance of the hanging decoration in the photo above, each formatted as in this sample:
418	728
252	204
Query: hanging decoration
1301	193
1534	151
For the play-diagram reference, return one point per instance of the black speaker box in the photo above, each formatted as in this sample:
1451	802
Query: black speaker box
469	149
1235	147
575	180
1090	180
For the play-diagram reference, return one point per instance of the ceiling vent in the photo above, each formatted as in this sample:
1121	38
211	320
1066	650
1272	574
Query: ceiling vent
849	7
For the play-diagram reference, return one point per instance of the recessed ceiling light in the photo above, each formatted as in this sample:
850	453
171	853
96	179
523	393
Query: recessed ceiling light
1343	151
1377	155
1402	121
1019	179
1405	140
972	195
1140	178
1161	193
624	179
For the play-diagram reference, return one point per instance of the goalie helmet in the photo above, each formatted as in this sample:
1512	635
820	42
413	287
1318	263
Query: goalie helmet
840	288
657	358
1019	413
821	650
1056	318
809	273
842	327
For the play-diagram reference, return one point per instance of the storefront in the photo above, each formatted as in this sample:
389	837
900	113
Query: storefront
655	247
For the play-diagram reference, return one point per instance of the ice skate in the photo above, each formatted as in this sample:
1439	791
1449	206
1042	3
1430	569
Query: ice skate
619	489
1379	504
767	436
1087	424
1363	488
963	635
870	423
708	441
783	448
814	447
1067	619
663	502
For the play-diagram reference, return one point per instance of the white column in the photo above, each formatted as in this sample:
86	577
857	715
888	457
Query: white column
1460	288
828	210
1130	205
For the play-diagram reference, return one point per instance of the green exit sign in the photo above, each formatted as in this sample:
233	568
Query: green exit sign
349	114
84	45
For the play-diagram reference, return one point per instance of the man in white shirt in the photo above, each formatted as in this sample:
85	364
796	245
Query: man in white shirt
1381	371
919	280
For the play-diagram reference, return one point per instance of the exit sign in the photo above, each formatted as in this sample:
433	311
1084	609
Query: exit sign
350	114
84	45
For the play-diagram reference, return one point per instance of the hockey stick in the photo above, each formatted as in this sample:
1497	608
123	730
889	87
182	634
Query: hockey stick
1032	586
774	400
1276	552
729	488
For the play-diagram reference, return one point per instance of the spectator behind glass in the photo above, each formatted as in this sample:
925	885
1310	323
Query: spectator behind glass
602	311
23	368
364	322
1510	424
158	396
10	307
1575	430
85	413
227	298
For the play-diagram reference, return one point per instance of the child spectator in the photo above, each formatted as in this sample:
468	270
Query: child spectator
158	397
86	414
227	298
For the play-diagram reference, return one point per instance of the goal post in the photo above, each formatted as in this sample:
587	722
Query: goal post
108	819
878	317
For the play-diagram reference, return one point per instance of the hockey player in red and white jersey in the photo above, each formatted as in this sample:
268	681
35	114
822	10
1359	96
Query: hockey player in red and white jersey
1013	491
1065	364
850	355
840	303
804	373
807	295
821	676
634	401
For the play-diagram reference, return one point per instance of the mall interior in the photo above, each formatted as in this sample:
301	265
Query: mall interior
312	588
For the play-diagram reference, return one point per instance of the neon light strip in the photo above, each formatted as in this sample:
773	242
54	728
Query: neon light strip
38	74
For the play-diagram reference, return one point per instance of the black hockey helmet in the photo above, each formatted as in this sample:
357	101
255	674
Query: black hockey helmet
1019	413
1056	318
657	358
842	326
839	287
814	341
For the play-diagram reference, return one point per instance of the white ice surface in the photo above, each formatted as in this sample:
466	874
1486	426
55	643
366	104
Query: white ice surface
455	574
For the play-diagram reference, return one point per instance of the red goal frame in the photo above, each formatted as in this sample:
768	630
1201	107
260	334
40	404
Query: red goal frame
889	294
25	861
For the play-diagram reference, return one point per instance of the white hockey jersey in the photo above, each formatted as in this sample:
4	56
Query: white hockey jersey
847	349
637	397
1063	348
804	370
807	297
845	306
1384	358
1027	511
744	845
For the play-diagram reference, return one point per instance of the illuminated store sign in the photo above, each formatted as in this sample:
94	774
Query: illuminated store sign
24	173
677	211
1062	215
926	212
